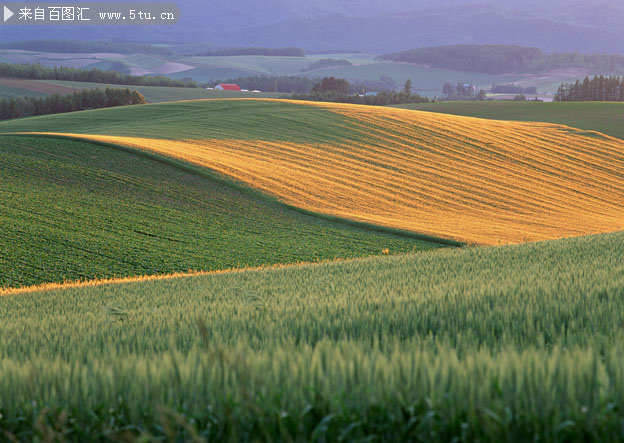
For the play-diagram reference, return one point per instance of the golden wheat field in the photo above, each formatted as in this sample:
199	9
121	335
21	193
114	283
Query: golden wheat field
467	179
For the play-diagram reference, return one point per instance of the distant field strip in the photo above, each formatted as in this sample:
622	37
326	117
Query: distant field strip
468	179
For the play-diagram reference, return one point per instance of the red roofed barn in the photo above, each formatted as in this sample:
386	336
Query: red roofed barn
227	87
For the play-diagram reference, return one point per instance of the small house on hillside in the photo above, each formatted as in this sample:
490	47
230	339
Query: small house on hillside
227	87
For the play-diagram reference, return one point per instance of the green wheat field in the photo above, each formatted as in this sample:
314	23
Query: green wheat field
491	344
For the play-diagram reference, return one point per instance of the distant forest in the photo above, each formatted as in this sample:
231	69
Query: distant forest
599	88
40	72
273	52
79	46
502	59
331	89
78	101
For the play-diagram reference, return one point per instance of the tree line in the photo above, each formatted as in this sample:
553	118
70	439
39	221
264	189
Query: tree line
40	72
78	101
599	88
80	46
491	59
331	89
501	59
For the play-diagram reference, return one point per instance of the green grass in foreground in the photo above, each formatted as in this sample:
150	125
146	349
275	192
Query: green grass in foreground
77	210
591	116
520	343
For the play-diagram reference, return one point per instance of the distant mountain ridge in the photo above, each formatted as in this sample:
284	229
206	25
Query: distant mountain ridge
592	26
505	59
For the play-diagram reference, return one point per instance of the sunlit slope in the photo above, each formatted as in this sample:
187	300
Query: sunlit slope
473	180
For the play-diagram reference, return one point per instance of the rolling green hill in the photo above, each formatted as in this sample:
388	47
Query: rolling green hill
227	119
594	116
77	210
492	344
462	179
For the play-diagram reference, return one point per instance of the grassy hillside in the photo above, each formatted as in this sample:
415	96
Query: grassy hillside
472	180
593	116
75	210
219	119
492	344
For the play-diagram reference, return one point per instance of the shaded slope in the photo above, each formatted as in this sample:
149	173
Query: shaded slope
466	179
75	210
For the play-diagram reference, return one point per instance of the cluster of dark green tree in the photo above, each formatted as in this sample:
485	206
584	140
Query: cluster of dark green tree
512	89
326	63
85	46
331	89
599	88
40	72
500	59
331	84
266	83
78	101
461	91
290	51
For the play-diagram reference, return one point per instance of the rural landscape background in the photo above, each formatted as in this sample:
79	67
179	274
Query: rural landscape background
315	221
